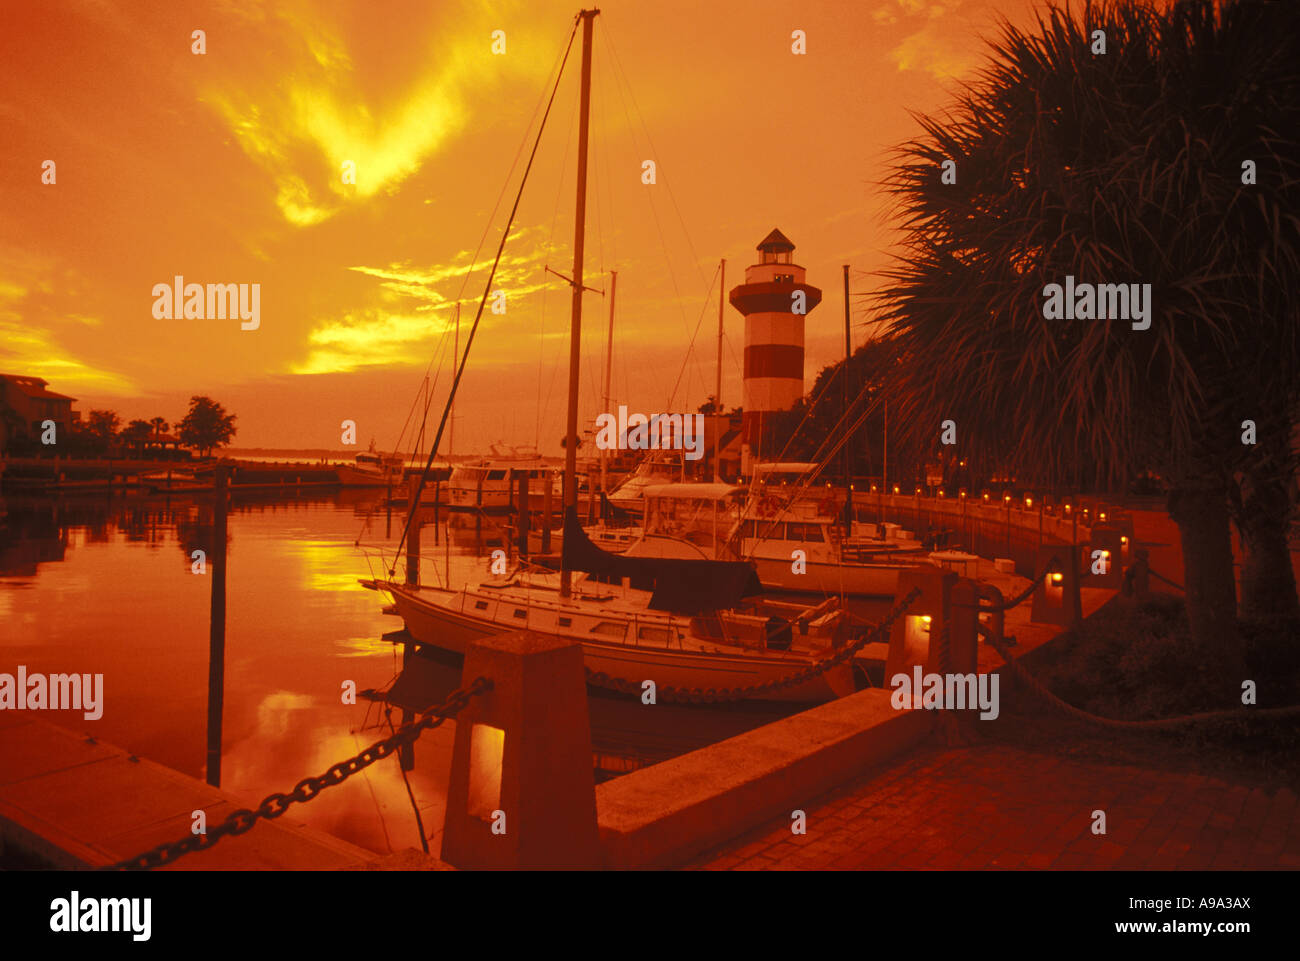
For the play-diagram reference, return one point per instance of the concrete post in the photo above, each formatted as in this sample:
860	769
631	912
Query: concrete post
1057	601
910	636
522	793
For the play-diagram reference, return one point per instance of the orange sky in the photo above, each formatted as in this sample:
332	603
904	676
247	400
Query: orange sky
225	168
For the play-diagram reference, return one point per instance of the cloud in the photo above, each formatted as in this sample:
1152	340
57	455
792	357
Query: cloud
30	350
370	338
930	50
312	116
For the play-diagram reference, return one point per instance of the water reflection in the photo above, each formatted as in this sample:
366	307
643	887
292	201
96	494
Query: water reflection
106	586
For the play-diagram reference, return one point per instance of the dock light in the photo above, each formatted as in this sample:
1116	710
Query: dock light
986	498
925	619
918	492
1123	541
962	494
1057	579
940	491
895	488
486	747
1006	498
873	488
1067	507
1101	516
962	464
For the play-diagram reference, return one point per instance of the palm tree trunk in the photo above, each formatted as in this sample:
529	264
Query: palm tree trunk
1268	587
1201	513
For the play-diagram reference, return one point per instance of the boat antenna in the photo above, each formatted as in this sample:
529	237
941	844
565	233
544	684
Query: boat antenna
478	316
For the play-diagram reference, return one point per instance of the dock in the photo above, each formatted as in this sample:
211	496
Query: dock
72	801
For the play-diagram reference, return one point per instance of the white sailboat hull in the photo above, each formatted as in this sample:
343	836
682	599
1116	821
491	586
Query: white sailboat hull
431	618
861	580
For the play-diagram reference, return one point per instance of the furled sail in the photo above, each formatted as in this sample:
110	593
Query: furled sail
681	586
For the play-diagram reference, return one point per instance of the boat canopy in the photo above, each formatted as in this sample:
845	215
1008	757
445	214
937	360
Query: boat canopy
791	469
711	492
679	586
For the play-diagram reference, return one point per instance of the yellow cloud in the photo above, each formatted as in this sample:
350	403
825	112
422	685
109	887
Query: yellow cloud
26	350
369	339
313	113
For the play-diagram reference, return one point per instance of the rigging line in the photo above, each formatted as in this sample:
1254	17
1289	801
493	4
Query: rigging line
478	316
440	351
708	300
645	127
654	211
415	808
550	247
514	163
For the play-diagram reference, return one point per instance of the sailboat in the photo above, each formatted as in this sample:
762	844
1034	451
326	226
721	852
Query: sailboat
698	626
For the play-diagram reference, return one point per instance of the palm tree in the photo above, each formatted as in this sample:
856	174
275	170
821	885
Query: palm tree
159	425
136	434
1123	167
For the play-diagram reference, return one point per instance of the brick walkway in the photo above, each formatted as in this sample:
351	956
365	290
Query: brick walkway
994	806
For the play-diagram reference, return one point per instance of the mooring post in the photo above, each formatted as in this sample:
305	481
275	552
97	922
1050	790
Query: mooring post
548	496
413	534
525	515
522	793
910	639
217	625
1056	599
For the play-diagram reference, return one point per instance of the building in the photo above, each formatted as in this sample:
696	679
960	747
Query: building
774	299
25	404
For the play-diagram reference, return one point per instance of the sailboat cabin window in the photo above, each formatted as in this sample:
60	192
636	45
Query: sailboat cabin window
609	629
496	475
480	605
520	613
566	622
659	635
807	532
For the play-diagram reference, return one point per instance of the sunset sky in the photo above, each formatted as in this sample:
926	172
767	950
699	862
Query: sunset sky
226	168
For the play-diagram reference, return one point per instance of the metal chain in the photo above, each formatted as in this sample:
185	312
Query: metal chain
274	805
711	695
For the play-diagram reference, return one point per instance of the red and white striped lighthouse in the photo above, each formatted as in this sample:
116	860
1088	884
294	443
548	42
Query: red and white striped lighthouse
774	300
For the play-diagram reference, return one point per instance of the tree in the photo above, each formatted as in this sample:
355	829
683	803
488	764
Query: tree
159	426
206	426
102	426
1115	168
136	434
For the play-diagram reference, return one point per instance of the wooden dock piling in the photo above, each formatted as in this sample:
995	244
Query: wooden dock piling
217	625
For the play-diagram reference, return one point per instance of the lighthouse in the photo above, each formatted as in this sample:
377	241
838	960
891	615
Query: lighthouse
774	300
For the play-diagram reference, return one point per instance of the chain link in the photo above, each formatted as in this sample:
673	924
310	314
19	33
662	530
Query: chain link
711	695
274	805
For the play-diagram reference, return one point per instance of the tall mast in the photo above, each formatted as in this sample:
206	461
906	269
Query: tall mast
575	323
609	363
717	394
848	441
455	359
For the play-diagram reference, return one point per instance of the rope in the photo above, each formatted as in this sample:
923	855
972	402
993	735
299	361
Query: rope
1167	723
1052	568
460	371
